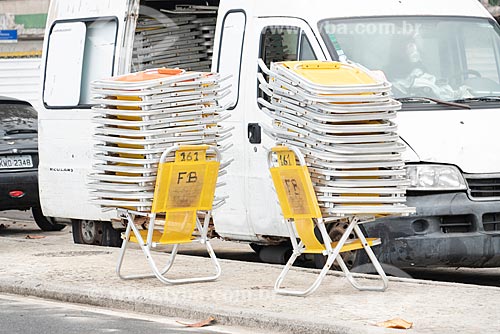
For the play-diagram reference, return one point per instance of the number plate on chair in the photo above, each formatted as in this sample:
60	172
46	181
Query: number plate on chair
190	156
286	158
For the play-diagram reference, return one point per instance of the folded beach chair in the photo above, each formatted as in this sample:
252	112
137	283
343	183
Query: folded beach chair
341	117
140	115
308	233
183	200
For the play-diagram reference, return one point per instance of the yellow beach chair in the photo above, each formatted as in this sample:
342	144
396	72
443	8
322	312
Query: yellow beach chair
184	191
303	216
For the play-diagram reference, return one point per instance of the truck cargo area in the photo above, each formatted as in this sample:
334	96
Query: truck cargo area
175	34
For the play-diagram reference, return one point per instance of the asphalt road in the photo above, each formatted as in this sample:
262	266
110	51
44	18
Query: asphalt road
34	316
19	224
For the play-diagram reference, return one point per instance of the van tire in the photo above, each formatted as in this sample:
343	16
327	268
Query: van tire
350	258
276	254
256	247
45	223
90	232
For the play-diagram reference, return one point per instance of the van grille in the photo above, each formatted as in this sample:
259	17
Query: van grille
483	187
491	222
456	224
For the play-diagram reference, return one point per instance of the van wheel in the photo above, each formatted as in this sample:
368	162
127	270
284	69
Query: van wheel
350	258
92	232
277	254
45	223
256	247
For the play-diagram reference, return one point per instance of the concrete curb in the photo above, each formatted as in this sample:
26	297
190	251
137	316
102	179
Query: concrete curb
225	316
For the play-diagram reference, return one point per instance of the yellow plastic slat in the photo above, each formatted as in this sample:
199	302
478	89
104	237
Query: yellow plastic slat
131	156
129	118
350	245
132	146
128	98
186	185
160	73
329	73
177	230
179	227
295	192
144	235
182	188
128	108
305	229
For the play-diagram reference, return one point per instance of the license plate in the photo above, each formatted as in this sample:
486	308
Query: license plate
16	161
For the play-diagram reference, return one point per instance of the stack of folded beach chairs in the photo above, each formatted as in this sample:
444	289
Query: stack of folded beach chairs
183	37
138	116
341	117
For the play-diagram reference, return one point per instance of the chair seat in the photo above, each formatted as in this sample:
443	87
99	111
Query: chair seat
157	238
348	246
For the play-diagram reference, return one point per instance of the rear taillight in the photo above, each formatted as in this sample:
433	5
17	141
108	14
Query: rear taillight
16	193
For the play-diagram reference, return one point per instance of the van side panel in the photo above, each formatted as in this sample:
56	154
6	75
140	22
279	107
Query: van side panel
65	134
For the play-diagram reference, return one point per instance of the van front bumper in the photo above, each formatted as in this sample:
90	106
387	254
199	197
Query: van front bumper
448	230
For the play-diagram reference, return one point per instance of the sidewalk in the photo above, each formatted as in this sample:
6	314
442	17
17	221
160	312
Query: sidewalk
243	295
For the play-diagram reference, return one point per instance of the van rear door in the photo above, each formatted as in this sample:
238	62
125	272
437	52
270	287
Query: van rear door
84	40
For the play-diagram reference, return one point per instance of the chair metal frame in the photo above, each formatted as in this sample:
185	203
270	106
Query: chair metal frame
163	203
300	206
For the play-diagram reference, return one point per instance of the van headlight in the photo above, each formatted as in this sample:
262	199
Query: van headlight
435	178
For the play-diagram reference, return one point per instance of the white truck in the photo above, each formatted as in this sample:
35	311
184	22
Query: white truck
442	57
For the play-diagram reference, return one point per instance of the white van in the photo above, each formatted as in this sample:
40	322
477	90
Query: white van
433	52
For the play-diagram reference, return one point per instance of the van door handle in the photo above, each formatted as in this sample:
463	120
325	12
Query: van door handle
254	133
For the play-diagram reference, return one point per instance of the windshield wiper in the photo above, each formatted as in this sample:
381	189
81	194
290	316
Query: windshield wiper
479	99
417	99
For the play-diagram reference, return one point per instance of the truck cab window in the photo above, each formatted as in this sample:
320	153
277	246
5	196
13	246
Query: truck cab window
89	48
231	49
481	47
282	43
305	49
447	58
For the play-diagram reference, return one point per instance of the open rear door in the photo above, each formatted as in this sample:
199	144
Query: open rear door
84	40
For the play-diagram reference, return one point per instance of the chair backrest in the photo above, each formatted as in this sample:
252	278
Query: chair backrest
293	186
186	184
296	196
183	187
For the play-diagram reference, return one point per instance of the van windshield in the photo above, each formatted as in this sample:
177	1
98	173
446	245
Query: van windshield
438	57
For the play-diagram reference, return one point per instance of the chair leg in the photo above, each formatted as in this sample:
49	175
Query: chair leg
332	254
145	249
171	259
297	251
380	271
204	239
277	285
213	258
314	286
123	249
